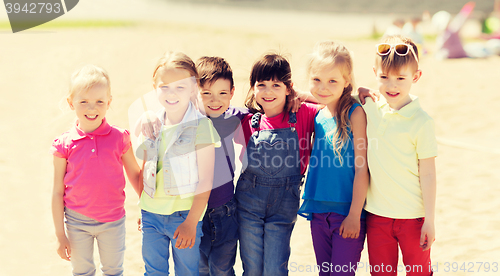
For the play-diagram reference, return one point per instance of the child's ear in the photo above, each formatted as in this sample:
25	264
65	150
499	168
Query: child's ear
417	76
109	101
288	90
70	102
232	93
348	81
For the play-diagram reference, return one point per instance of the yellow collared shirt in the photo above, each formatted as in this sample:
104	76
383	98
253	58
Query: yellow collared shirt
397	139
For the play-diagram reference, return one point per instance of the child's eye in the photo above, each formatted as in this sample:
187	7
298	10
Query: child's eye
163	87
180	87
401	78
316	79
261	85
276	85
83	102
333	81
223	93
383	77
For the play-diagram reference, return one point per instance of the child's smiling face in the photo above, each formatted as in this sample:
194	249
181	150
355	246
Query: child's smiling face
91	106
327	84
395	87
174	88
271	95
216	97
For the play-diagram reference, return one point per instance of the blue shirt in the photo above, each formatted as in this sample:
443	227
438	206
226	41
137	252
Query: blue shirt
329	181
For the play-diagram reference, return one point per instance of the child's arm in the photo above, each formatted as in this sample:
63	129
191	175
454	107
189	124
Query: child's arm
186	232
301	97
427	171
350	227
63	249
133	171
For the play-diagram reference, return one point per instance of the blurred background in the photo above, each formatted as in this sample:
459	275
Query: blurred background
127	37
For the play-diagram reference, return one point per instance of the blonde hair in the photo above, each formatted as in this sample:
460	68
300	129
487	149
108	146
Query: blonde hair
393	63
270	67
176	60
86	78
329	54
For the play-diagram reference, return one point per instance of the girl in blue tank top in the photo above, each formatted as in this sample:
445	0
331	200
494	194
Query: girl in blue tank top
337	180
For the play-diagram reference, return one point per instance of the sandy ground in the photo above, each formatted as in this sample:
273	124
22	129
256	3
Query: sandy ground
461	95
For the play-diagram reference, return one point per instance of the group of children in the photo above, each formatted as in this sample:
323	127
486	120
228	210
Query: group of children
187	195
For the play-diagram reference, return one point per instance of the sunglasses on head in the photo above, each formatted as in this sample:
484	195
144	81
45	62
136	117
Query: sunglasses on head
401	49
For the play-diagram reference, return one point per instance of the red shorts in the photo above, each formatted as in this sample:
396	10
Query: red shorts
383	237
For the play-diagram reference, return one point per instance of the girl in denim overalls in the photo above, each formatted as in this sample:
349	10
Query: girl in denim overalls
278	147
178	171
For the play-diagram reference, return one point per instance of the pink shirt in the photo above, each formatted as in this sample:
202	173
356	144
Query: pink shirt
304	127
94	179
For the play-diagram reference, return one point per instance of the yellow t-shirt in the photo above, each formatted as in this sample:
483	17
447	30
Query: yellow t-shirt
397	139
166	204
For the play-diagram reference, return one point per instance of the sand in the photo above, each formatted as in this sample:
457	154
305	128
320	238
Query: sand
35	65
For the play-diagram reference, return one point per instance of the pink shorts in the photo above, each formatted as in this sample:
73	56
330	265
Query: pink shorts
383	237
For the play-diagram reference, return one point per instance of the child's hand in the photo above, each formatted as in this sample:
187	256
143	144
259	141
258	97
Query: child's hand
350	227
185	235
64	250
367	92
427	236
301	97
150	125
295	104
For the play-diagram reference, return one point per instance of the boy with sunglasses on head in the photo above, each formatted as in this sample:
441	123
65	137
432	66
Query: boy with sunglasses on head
401	152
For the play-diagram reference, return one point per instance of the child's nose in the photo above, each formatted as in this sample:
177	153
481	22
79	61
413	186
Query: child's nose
392	84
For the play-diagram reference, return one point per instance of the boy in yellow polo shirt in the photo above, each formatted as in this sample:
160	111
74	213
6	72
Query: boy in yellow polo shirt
401	152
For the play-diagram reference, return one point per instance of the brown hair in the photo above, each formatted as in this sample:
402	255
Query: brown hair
86	78
393	63
210	69
270	67
329	54
175	60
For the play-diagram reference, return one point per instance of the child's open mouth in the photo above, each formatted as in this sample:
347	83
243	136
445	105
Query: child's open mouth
269	99
171	102
392	94
215	108
91	117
